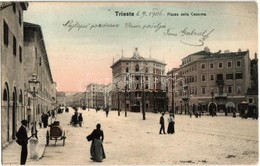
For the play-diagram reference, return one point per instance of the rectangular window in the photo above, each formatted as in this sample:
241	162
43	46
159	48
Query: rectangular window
14	45
239	76
229	76
220	65
203	66
20	54
211	65
6	33
211	77
219	76
203	77
203	90
229	64
229	89
238	63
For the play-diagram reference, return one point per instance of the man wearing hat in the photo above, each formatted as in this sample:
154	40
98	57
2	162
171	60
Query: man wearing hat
22	135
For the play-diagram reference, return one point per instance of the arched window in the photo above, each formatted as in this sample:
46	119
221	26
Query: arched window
126	69
137	67
21	96
6	93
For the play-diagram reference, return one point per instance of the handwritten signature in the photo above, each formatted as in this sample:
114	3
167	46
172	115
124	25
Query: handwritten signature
203	35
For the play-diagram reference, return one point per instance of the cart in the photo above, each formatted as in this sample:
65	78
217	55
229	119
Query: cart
55	133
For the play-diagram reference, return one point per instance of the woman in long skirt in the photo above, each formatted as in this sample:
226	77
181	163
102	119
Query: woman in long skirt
170	129
97	150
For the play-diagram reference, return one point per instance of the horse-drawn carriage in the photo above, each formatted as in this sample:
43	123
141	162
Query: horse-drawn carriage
55	133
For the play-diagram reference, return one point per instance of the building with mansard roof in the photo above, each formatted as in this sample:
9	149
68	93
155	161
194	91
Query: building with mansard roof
138	84
208	81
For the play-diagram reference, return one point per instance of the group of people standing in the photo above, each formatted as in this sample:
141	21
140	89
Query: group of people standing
77	119
171	122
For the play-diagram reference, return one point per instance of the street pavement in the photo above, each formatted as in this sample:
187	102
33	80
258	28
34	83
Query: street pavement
11	154
131	140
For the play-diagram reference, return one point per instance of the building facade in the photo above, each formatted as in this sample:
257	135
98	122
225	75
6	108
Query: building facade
210	82
13	108
21	45
138	84
36	62
61	99
95	95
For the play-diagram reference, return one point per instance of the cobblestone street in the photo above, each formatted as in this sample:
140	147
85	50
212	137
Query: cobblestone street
131	140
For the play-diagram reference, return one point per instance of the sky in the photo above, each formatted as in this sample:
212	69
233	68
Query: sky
83	38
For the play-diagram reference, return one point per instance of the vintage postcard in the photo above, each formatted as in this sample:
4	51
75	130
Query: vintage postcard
122	83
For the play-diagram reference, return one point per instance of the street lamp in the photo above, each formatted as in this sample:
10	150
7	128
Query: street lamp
118	104
34	86
212	94
173	88
125	100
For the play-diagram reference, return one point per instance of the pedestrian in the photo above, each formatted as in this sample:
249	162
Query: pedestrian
96	149
66	109
80	119
170	129
107	111
45	120
162	124
53	113
23	138
75	118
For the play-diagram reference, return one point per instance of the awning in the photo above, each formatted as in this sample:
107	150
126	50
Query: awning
230	104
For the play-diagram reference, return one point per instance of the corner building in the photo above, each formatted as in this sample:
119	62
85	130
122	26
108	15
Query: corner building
206	81
138	84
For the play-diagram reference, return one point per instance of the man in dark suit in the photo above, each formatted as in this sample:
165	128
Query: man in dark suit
22	135
162	124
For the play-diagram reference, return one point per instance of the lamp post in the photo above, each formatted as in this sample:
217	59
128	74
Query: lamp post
212	94
173	90
34	85
118	104
125	100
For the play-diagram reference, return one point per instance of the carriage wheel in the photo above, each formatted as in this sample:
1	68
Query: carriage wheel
64	137
47	138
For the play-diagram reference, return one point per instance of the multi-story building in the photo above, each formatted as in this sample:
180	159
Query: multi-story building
252	92
138	84
36	62
210	82
108	95
23	54
13	108
61	99
95	95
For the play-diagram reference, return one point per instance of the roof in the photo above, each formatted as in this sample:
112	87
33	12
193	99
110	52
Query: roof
136	57
227	54
201	53
38	28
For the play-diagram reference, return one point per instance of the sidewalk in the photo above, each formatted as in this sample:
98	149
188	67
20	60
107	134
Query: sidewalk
11	154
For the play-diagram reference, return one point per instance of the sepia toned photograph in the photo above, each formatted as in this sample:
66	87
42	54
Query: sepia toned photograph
129	83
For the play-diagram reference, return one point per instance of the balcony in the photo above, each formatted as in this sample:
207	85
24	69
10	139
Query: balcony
220	82
220	95
185	98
